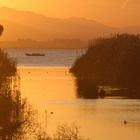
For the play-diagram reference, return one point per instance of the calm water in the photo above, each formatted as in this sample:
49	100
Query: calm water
52	58
50	86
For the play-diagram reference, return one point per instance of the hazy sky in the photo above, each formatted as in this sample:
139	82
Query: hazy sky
110	12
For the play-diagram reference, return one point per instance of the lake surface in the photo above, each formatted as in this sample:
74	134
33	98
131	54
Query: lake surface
52	58
48	85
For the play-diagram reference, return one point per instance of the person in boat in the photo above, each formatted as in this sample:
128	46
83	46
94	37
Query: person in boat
102	93
34	54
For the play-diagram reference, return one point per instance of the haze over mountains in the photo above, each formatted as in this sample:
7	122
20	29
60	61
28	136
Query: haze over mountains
25	24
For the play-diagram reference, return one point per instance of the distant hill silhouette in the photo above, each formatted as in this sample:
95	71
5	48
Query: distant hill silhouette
14	30
25	24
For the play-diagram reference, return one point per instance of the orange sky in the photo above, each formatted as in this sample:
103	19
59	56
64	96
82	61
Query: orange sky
109	12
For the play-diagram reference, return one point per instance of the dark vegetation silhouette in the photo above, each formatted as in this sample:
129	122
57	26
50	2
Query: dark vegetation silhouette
113	62
86	88
66	132
13	109
7	65
1	29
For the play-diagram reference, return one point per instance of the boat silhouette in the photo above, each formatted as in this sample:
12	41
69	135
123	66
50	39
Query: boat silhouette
34	54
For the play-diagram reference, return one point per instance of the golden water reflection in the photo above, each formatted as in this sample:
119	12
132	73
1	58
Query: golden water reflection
54	90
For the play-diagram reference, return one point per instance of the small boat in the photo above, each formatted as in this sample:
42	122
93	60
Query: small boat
34	54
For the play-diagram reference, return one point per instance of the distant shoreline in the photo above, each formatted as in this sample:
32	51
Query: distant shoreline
52	44
41	67
44	48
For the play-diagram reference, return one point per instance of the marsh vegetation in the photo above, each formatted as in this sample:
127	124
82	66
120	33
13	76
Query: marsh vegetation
110	62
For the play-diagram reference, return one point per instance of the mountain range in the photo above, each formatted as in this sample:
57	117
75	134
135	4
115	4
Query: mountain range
26	24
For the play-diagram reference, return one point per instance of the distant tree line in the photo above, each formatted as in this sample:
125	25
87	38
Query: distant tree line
113	61
50	44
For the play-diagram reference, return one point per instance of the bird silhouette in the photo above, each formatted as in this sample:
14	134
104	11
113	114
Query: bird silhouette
125	122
